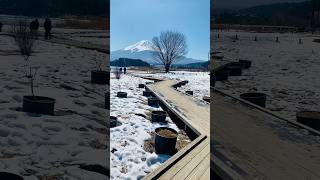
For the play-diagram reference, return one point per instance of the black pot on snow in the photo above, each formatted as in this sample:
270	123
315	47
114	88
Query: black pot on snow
235	70
122	94
206	98
141	86
309	118
153	101
38	104
255	98
114	122
247	63
10	176
158	116
165	141
100	77
177	85
189	93
147	93
184	83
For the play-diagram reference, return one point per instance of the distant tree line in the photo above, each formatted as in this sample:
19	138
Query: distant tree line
127	62
55	8
284	14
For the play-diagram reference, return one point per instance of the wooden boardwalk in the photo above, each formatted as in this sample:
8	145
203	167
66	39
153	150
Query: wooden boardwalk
255	144
193	161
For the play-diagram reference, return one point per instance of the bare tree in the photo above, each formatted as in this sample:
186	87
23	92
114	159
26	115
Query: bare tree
25	40
169	47
117	73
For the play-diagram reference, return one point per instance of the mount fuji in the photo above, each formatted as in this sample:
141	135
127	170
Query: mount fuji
143	50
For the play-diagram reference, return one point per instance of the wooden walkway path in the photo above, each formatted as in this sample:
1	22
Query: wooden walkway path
193	161
255	144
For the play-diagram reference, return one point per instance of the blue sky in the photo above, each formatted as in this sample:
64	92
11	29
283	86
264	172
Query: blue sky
136	20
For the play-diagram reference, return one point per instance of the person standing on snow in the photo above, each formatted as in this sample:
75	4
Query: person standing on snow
47	26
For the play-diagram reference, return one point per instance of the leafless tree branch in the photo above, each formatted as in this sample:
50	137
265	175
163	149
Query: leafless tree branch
169	48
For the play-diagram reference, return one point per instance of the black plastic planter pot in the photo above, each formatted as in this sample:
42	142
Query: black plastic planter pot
247	63
177	85
189	93
165	140
184	83
153	101
141	85
38	104
309	118
114	122
255	98
9	176
222	75
235	70
147	93
158	116
121	94
206	98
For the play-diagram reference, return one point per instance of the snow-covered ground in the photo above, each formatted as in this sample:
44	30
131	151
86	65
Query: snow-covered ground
129	159
52	147
288	72
93	37
199	82
99	37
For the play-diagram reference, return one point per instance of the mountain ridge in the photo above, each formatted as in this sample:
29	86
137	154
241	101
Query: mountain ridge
142	50
288	13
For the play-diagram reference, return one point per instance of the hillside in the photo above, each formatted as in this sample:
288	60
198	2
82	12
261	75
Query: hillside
55	8
200	65
126	62
288	14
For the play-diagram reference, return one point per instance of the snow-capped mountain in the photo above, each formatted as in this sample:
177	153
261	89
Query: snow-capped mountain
143	50
143	45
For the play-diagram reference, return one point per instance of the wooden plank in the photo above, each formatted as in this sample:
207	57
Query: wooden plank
174	159
197	165
182	117
187	160
201	170
205	176
198	116
261	144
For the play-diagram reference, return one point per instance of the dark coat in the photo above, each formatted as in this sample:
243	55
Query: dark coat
47	25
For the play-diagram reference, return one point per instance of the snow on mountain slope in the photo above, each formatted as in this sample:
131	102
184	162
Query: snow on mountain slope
143	45
143	50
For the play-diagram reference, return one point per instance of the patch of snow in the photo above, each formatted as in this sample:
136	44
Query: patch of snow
128	158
